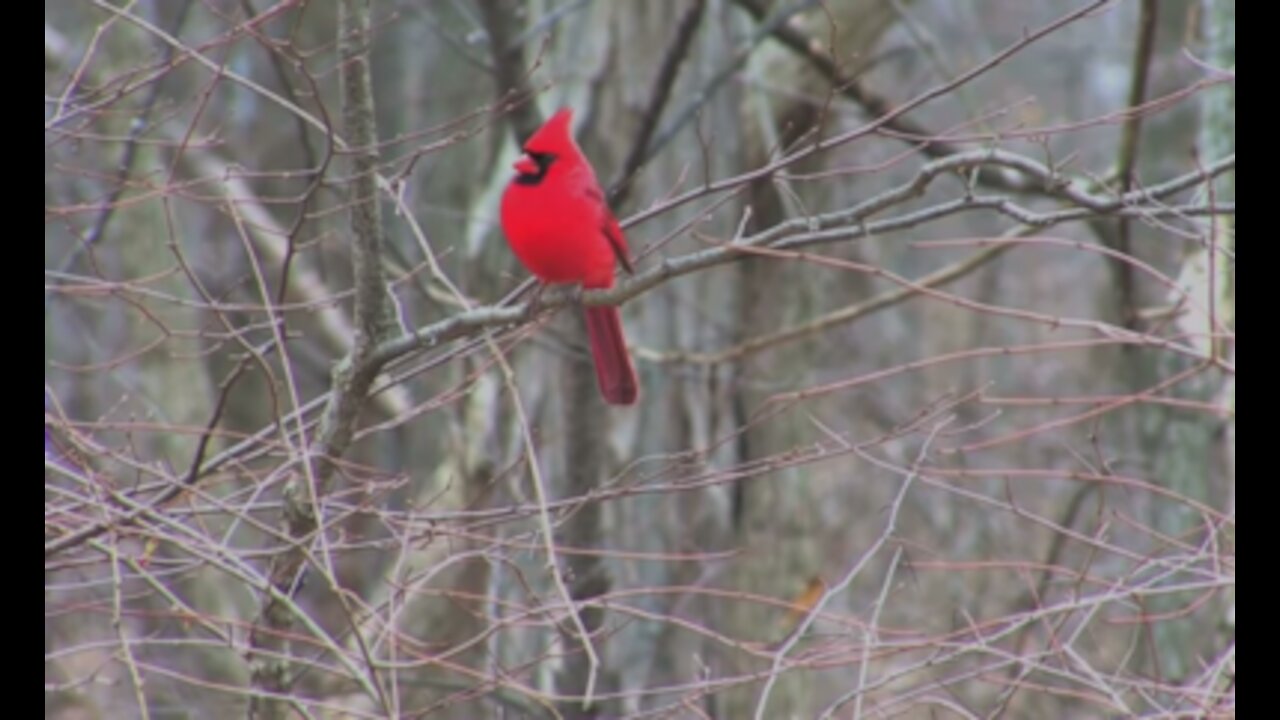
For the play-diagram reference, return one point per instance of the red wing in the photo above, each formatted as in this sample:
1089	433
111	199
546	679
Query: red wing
617	241
612	230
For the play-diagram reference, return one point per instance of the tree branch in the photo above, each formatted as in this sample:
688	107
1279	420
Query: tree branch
877	106
352	378
620	188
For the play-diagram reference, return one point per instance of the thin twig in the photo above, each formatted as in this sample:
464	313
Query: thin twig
675	56
890	527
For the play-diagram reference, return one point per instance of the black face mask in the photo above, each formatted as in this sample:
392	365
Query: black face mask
543	161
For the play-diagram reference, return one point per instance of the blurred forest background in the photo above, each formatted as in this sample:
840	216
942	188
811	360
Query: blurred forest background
933	315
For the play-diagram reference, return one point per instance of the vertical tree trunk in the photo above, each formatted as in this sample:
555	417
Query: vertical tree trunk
775	514
585	423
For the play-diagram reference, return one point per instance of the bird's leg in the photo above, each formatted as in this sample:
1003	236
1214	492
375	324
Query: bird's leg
535	299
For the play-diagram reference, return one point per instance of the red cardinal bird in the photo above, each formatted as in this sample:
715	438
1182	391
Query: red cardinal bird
559	227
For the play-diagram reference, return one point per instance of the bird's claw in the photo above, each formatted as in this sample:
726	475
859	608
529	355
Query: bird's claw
534	304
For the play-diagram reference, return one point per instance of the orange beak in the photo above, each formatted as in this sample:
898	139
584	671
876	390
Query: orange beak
526	166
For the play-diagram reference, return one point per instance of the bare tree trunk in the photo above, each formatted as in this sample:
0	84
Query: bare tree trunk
772	511
585	452
775	514
352	379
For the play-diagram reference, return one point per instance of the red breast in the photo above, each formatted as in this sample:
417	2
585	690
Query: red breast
553	212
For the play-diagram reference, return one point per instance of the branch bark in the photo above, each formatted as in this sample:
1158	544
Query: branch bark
352	379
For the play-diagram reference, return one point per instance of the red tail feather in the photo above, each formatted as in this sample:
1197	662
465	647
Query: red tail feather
614	371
